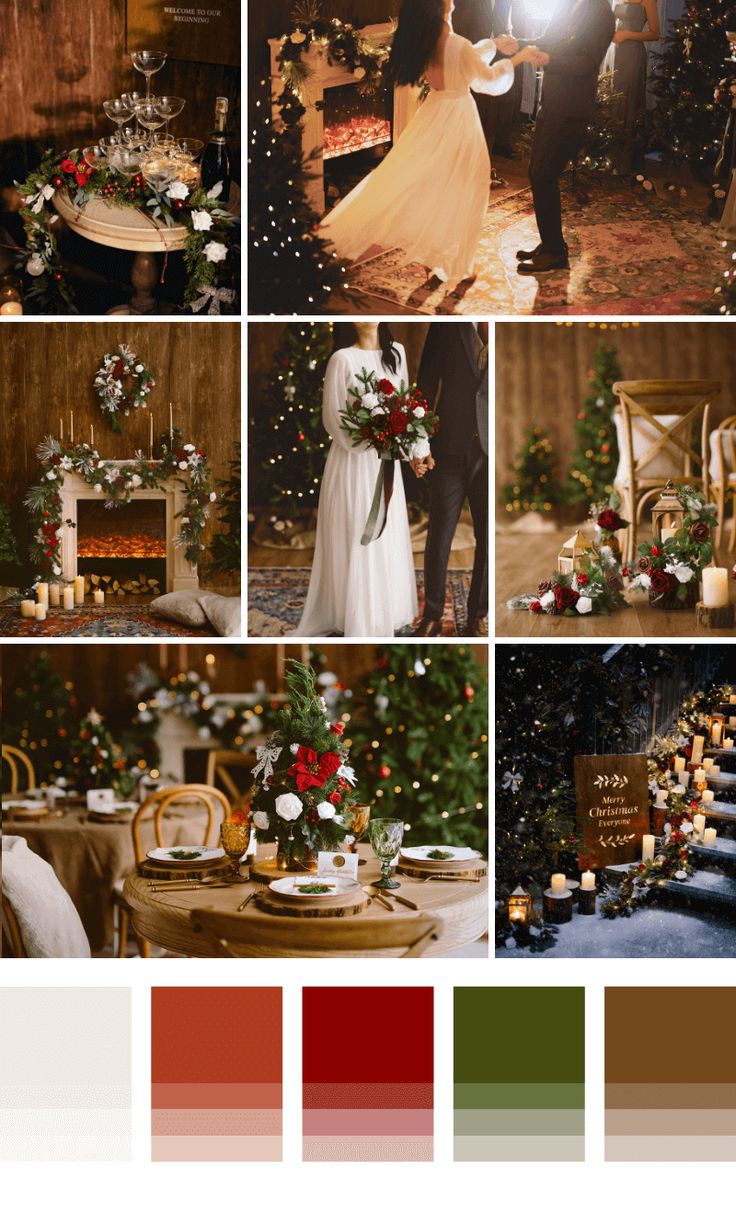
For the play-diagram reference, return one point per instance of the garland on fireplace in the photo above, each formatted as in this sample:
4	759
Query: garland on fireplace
344	45
212	277
117	482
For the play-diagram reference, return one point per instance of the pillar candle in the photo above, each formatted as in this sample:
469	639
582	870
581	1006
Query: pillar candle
698	825
42	592
647	848
697	754
708	764
11	309
668	532
79	591
660	796
40	611
28	609
715	587
99	597
558	883
715	735
587	881
714	771
732	698
54	593
68	597
684	778
728	742
710	836
708	796
680	764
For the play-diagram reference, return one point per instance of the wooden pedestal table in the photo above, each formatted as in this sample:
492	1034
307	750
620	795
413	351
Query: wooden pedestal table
206	922
126	228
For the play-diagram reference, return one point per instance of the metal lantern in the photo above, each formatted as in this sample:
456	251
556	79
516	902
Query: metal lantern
668	515
716	729
571	556
520	905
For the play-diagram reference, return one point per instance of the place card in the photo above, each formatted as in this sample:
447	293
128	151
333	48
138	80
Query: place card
99	797
337	862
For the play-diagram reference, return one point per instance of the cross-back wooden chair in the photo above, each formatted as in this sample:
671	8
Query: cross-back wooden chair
194	795
672	411
723	447
233	936
220	765
13	946
16	760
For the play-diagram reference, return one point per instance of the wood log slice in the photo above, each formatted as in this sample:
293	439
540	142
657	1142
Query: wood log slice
715	617
349	905
473	869
176	871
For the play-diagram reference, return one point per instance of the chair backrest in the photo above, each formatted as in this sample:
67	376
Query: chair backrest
220	764
723	450
672	409
13	946
234	936
193	795
14	758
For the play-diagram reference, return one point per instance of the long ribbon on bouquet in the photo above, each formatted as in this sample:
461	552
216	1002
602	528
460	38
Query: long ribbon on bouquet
384	490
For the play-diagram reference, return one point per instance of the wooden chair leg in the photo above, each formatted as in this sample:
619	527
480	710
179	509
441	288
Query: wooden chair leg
123	922
732	540
144	947
720	495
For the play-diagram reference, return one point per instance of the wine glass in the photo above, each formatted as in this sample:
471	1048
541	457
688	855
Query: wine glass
148	62
357	824
117	110
386	836
169	107
234	839
150	118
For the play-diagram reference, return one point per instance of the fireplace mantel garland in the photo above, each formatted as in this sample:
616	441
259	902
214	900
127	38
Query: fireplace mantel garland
341	42
117	481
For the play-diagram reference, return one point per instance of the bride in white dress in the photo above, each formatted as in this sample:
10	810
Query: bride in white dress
430	195
356	590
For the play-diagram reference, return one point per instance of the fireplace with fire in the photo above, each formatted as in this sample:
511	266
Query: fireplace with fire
125	543
355	122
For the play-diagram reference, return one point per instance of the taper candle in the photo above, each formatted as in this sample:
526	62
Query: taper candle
71	426
150	433
647	848
61	427
171	424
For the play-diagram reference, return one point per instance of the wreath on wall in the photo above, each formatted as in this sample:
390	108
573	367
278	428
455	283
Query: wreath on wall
118	482
122	382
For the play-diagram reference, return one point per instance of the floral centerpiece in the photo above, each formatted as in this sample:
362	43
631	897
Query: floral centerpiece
397	423
608	522
670	569
595	589
303	784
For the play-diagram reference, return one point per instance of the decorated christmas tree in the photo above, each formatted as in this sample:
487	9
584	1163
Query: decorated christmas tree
689	122
288	443
291	269
595	458
42	718
226	544
723	301
534	486
420	742
95	760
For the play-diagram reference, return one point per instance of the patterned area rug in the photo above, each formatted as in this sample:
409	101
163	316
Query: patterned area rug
630	254
276	599
95	621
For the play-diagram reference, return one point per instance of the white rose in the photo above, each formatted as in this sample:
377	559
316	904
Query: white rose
98	488
584	605
50	475
681	572
260	820
215	251
547	599
201	220
213	496
420	449
419	412
294	749
371	401
326	811
288	806
135	481
139	369
185	521
645	580
189	446
178	189
56	570
183	465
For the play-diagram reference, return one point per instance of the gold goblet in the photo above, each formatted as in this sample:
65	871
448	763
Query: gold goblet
360	815
235	839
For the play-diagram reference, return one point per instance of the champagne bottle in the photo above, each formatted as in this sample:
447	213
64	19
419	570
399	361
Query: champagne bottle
216	160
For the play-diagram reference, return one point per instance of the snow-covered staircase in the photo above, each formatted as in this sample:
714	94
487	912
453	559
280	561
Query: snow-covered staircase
713	883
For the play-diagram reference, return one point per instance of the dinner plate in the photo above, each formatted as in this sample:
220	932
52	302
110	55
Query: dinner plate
116	808
293	886
26	805
189	855
434	855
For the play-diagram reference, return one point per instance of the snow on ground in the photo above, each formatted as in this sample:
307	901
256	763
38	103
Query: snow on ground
650	933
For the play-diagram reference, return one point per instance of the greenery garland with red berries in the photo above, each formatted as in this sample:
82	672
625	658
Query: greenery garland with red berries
210	242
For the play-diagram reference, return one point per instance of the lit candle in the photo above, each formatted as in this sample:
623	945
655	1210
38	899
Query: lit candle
710	836
92	436
660	796
715	587
684	777
99	597
732	721
668	532
68	597
732	698
714	772
11	309
708	764
54	593
558	883
42	592
39	611
61	426
79	591
716	734
698	826
647	848
699	775
707	796
697	754
728	742
587	881
28	608
680	764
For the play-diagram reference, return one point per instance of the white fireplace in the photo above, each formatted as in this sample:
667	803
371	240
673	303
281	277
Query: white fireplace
75	493
324	77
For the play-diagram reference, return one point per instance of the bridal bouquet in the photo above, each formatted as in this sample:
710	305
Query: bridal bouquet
397	423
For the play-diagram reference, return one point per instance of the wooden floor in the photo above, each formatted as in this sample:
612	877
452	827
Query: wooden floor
523	560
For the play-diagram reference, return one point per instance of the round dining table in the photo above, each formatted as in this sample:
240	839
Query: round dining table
455	912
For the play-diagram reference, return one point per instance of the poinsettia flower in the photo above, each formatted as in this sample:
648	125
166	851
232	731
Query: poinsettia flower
309	770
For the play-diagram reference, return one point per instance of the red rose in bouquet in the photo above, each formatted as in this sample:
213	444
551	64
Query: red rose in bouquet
535	606
565	597
386	387
397	423
662	582
644	565
610	520
700	532
68	166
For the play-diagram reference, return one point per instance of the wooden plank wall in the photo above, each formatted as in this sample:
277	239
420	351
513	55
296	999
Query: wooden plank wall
60	59
541	373
48	369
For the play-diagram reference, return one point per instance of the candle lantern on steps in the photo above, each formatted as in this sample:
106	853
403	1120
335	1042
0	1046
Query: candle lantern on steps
716	729
668	515
520	905
571	556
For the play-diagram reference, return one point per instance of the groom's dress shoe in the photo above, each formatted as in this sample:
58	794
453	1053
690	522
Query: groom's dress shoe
428	628
529	254
543	263
475	627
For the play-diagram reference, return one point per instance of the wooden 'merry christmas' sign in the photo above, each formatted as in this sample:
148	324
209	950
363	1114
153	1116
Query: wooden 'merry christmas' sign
207	31
612	808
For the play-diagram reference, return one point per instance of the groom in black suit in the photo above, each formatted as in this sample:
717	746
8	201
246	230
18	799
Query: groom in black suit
477	20
574	46
453	375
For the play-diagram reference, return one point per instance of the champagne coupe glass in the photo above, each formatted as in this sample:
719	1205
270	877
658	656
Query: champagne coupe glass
169	107
148	62
132	99
386	836
357	824
126	162
150	118
94	154
118	111
234	839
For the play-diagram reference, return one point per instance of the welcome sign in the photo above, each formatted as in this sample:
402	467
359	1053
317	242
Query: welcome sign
207	31
612	808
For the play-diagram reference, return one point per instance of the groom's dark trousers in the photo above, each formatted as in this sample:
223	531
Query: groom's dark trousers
453	375
576	41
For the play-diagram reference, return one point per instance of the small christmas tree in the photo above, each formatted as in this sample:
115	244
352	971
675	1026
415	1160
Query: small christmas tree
8	547
288	443
723	301
689	123
420	743
95	760
42	717
595	459
226	544
534	487
291	269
